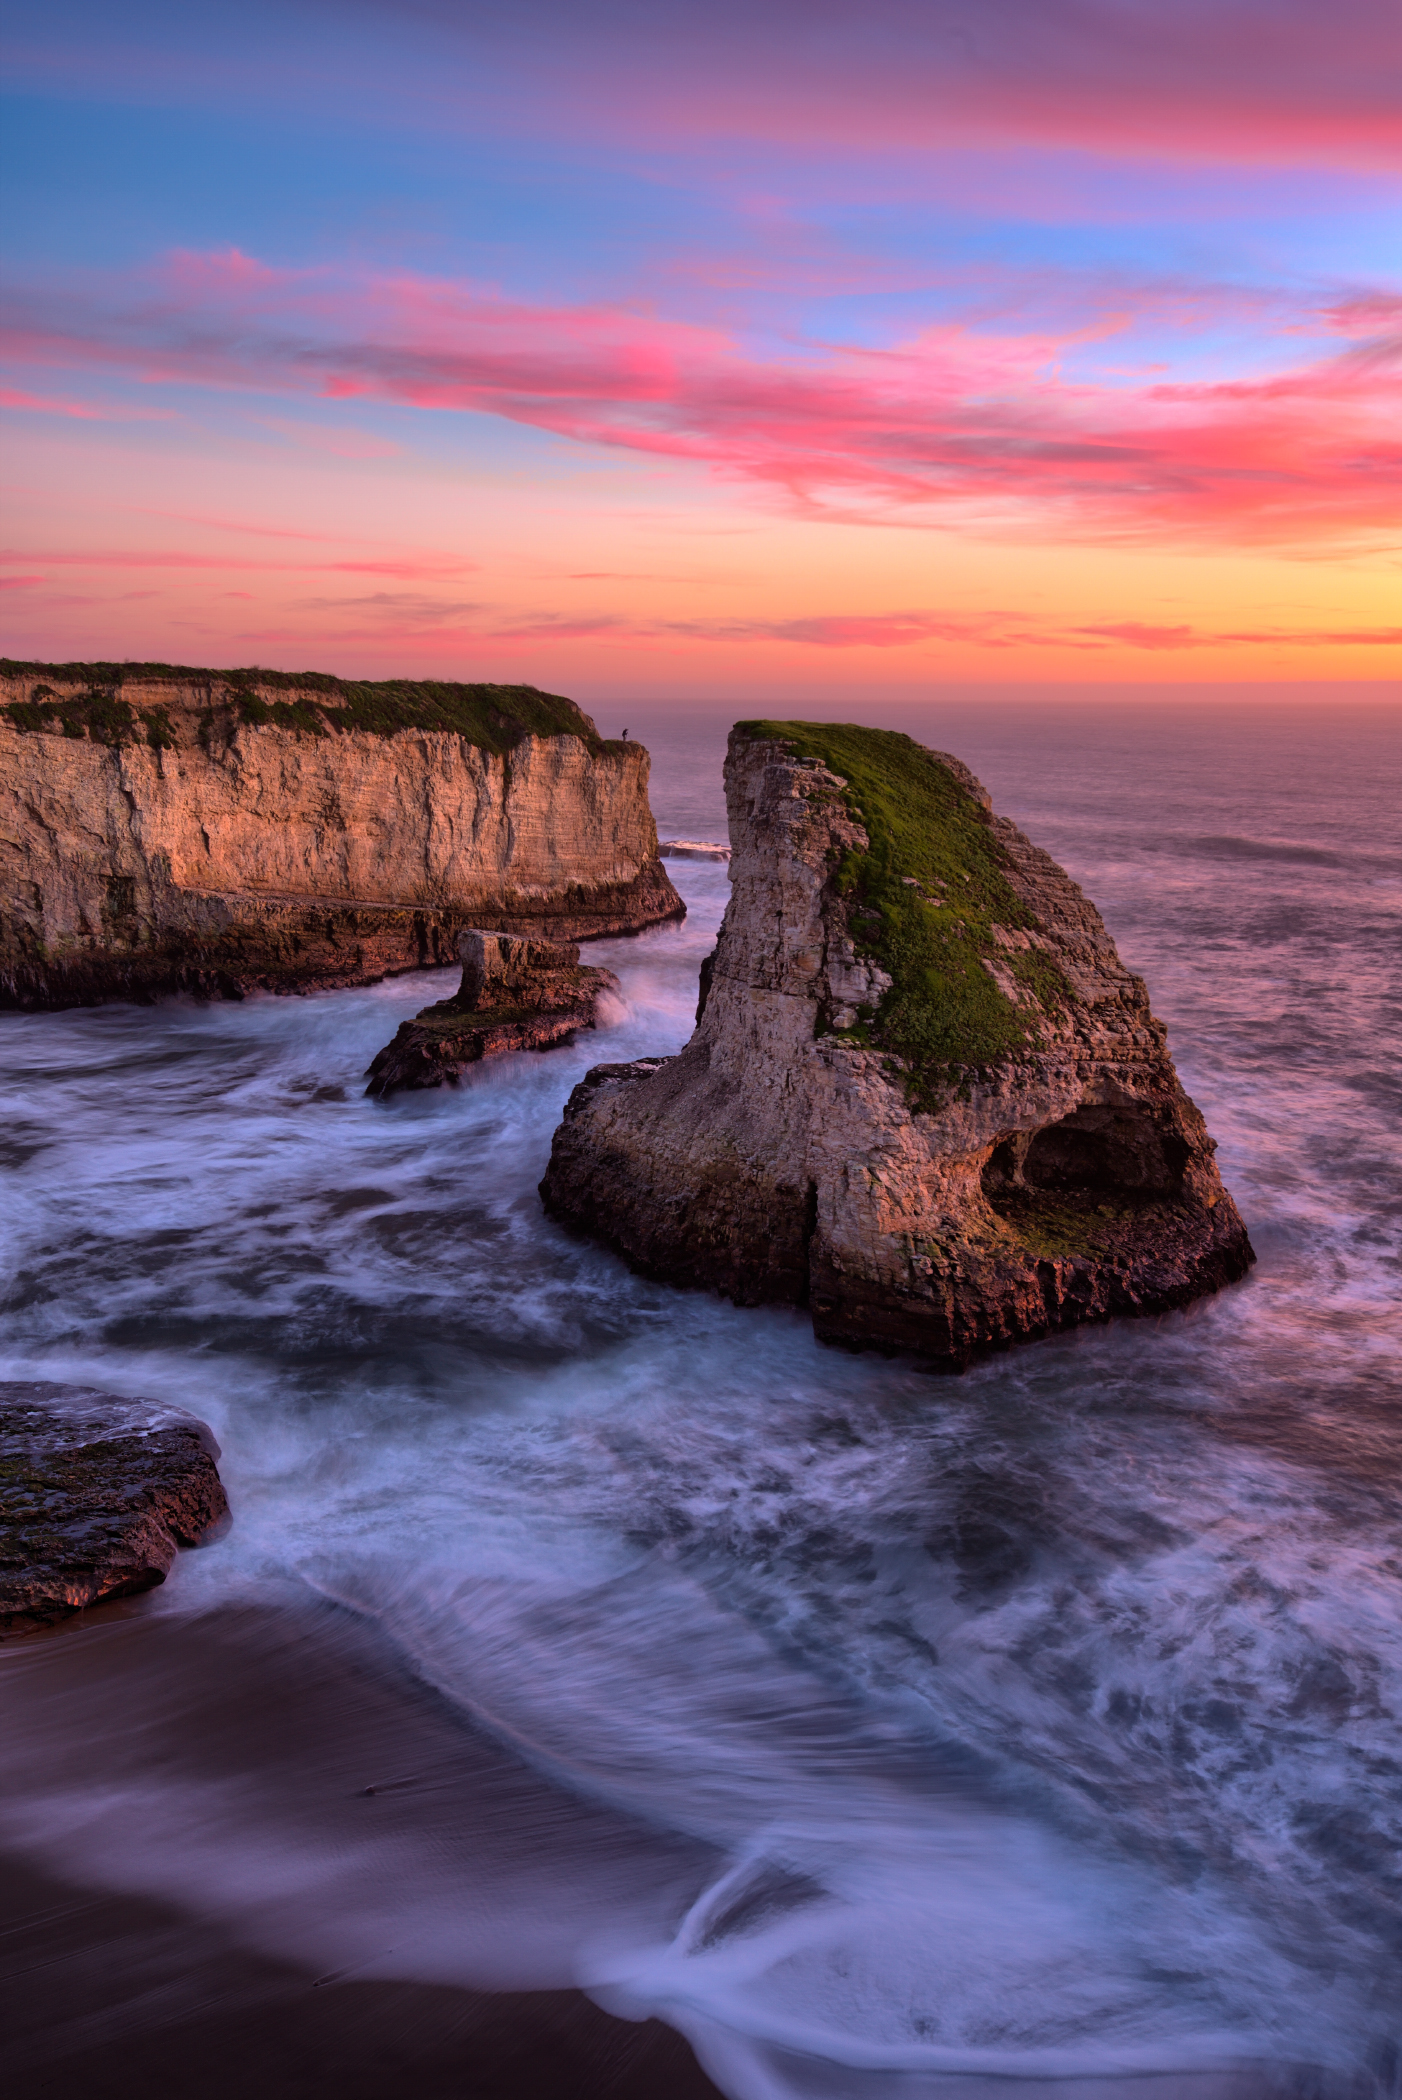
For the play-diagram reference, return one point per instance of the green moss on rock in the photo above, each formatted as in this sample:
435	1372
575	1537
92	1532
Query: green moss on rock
103	716
160	731
495	717
923	902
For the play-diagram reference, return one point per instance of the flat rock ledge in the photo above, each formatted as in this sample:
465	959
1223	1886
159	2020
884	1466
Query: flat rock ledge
96	1496
924	1097
692	849
515	995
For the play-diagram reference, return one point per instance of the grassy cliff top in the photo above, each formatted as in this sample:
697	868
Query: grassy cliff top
923	901
493	716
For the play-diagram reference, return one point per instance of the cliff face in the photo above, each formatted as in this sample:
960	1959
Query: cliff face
924	1096
166	834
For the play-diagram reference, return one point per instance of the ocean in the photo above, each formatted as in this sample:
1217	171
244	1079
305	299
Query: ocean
883	1734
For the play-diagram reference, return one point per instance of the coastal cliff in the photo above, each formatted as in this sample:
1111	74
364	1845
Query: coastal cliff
924	1096
177	830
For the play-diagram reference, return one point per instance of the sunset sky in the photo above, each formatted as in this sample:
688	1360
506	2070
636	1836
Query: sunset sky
673	350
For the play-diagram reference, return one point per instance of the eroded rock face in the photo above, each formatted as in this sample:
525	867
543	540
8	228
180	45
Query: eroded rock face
177	836
96	1495
924	1096
515	995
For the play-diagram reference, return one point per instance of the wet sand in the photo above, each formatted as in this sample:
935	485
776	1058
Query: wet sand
111	1997
227	1970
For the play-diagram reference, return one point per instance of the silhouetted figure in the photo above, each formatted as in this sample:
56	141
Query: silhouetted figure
625	736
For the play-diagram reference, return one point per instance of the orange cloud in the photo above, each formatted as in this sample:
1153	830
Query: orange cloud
406	568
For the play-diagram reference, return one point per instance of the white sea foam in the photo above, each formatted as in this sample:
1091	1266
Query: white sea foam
1042	1723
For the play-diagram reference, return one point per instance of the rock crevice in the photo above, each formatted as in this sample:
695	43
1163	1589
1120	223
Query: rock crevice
924	1096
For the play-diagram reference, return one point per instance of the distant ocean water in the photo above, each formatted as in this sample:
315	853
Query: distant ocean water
888	1735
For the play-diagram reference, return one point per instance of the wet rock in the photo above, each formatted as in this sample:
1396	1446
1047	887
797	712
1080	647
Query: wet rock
96	1495
515	995
924	1096
692	849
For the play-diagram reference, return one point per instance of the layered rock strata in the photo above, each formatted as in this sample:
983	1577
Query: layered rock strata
924	1096
96	1495
166	830
515	995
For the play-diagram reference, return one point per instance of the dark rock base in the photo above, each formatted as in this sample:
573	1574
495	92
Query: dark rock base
1156	1257
235	945
1051	1257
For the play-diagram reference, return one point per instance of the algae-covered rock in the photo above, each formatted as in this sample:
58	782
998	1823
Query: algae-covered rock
96	1494
515	995
924	1096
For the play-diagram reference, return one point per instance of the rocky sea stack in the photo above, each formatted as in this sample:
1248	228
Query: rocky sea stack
924	1097
515	995
165	829
96	1495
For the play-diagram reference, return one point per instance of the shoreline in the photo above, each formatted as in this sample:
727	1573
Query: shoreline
256	1855
84	1966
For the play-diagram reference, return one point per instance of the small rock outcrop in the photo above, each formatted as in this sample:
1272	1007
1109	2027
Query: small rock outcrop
515	995
693	849
167	830
924	1097
96	1495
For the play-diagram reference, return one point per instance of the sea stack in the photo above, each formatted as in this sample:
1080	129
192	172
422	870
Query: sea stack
924	1097
166	830
515	995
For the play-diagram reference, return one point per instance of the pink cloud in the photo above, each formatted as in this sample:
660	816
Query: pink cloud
1001	630
409	616
85	411
1234	80
253	527
957	420
896	630
197	271
338	443
1137	635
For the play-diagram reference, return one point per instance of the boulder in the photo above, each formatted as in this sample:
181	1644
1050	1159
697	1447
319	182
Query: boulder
924	1098
96	1494
515	995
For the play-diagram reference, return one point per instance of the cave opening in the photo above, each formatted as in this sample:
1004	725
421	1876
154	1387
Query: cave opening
1094	1152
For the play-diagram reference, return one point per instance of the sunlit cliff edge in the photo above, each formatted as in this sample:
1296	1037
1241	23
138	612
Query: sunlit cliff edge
168	829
